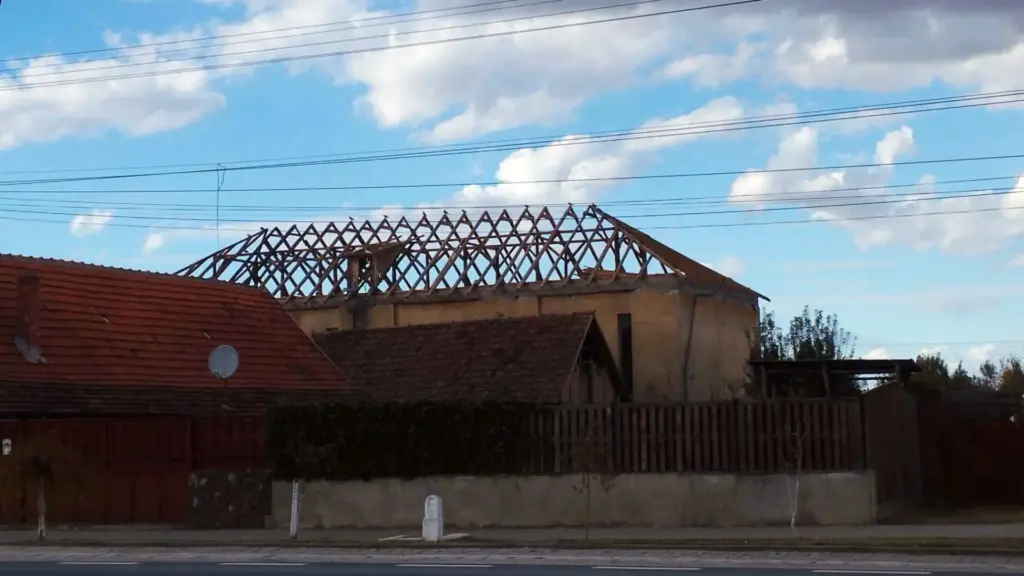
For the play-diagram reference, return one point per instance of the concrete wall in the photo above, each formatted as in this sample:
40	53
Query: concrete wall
720	348
653	500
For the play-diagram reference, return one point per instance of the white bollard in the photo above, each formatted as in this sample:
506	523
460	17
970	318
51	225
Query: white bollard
433	519
293	527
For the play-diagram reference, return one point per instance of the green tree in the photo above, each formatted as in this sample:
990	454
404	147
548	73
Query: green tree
988	375
810	335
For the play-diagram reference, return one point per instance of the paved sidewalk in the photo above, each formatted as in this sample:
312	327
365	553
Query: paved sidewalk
974	534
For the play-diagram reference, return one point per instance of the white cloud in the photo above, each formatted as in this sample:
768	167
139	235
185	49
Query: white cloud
91	223
1016	262
153	242
730	266
33	111
595	160
979	354
881	224
876	354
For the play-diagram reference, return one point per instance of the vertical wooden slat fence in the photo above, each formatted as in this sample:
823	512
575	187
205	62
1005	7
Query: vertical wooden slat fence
735	437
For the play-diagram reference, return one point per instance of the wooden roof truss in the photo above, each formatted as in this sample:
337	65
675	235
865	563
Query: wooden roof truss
426	257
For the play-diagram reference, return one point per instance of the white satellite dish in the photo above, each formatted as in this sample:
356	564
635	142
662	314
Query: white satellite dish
223	362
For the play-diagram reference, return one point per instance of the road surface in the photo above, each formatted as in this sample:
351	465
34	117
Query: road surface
264	568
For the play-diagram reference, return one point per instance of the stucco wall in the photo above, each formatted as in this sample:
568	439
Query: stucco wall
661	326
653	500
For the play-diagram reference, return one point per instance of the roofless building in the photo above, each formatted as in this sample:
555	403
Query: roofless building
678	329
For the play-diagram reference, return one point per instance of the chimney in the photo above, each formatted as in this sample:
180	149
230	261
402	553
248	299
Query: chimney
28	308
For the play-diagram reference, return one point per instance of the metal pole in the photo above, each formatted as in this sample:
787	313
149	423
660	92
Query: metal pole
293	528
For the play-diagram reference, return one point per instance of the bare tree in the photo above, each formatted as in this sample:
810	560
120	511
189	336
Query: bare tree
590	460
790	437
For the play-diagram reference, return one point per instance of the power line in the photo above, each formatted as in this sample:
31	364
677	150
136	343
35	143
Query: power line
506	148
121	65
624	217
284	59
594	137
356	23
660	203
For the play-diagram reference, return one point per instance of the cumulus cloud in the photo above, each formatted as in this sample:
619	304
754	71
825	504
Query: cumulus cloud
91	223
876	354
53	97
978	354
960	229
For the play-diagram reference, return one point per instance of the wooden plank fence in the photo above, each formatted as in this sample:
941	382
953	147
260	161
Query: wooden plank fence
735	437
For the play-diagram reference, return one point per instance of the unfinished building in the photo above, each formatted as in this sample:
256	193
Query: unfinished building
678	330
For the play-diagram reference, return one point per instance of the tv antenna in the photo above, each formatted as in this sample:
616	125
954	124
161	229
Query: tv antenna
223	363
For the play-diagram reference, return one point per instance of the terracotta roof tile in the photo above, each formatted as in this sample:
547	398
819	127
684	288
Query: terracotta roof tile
526	359
120	327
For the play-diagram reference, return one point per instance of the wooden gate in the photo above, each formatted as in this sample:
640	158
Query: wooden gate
122	470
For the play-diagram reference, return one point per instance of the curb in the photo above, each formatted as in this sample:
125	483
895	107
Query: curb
947	547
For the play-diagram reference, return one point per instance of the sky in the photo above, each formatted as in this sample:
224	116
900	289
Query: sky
905	221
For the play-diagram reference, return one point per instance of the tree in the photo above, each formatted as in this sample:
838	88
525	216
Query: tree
811	335
988	375
1011	375
935	376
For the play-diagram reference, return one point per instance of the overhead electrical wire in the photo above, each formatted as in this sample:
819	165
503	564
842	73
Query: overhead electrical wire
388	36
160	227
642	134
847	113
787	197
304	57
308	29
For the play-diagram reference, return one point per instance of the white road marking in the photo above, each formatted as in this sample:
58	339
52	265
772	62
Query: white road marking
444	565
907	572
277	564
97	563
682	569
897	572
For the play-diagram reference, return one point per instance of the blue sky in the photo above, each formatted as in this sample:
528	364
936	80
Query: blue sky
899	284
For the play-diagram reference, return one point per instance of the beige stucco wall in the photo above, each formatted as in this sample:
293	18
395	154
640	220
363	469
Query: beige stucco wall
651	500
660	318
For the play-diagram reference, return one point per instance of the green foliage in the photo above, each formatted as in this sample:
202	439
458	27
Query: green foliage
810	336
1011	375
400	440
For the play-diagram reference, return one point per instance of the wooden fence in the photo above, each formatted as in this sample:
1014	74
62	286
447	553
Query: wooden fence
734	437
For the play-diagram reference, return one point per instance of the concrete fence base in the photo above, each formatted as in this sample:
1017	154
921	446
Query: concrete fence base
650	500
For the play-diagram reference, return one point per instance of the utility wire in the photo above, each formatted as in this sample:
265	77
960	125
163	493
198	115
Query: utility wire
307	30
672	129
640	135
659	214
251	230
388	36
788	197
296	58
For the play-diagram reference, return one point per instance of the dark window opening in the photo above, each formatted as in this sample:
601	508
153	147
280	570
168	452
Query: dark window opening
626	352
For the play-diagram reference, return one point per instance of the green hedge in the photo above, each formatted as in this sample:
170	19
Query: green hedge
400	440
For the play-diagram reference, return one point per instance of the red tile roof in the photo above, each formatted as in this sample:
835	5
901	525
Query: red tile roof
114	327
527	359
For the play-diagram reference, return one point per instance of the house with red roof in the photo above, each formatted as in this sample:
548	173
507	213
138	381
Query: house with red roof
112	365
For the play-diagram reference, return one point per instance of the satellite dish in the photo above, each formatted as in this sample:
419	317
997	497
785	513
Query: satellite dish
31	353
223	362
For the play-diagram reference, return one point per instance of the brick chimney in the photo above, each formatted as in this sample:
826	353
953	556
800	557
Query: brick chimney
27	309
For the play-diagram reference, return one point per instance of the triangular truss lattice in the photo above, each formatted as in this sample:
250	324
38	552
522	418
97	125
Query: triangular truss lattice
450	254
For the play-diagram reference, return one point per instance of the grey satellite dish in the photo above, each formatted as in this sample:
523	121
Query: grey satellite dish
223	362
31	353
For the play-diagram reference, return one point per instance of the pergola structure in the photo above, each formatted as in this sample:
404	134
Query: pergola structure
455	255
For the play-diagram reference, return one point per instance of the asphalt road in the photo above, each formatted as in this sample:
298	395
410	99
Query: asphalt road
112	568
